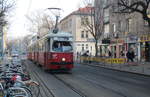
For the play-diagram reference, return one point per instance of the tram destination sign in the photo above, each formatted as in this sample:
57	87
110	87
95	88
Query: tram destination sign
63	38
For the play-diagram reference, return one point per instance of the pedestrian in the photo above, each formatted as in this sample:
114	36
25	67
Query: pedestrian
122	53
86	53
109	54
130	55
115	55
77	55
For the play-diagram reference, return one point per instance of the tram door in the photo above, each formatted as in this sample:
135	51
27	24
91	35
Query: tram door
47	50
147	50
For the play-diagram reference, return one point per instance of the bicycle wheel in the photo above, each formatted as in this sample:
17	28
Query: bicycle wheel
28	90
19	92
35	90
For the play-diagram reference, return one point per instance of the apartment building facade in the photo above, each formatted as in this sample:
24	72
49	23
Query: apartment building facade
125	31
73	23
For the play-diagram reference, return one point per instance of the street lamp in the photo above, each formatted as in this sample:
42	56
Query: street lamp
57	15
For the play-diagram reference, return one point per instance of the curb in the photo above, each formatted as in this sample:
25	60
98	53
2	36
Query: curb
146	75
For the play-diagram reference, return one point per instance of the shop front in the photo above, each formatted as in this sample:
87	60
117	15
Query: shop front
104	48
132	43
145	48
118	48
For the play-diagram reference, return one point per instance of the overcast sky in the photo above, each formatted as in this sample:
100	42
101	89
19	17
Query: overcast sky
23	7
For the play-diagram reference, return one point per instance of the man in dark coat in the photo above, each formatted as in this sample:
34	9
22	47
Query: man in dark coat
130	55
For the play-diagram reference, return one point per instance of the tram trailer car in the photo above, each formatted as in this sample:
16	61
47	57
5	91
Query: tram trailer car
55	51
29	54
36	53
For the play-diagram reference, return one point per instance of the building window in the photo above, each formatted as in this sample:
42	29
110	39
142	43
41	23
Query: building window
106	31
105	3
120	26
113	28
82	47
128	25
106	15
82	34
84	20
87	35
70	23
87	46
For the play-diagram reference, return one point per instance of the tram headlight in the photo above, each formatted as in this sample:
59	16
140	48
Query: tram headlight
63	59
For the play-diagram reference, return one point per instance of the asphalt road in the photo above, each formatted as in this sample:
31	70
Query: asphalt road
87	81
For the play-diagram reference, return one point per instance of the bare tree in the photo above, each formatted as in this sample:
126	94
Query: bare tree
5	7
38	21
95	24
140	6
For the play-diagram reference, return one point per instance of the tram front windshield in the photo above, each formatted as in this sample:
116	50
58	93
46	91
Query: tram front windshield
62	46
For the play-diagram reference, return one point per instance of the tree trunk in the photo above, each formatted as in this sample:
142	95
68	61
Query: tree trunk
96	48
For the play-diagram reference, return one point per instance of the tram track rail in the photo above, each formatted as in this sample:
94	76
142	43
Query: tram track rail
120	82
102	86
71	87
119	79
40	95
77	90
44	86
99	85
62	81
80	93
33	76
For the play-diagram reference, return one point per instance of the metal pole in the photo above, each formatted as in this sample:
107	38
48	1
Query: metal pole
57	18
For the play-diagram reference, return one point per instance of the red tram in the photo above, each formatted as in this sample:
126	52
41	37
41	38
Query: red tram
53	51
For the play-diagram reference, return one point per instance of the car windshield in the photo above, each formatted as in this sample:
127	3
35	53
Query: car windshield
62	46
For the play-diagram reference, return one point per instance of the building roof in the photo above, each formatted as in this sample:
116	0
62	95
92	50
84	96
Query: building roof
81	11
86	9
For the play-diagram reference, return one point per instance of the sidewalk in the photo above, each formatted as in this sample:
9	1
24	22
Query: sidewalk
142	68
